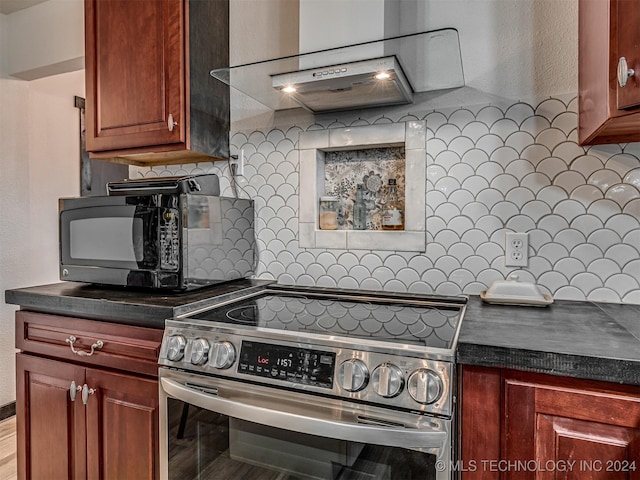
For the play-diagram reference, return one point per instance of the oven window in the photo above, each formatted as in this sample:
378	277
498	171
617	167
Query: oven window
207	445
107	238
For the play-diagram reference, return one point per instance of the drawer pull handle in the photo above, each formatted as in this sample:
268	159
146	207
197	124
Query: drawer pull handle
73	389
96	346
86	391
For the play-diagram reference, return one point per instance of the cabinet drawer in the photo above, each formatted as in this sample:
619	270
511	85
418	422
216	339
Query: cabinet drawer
124	347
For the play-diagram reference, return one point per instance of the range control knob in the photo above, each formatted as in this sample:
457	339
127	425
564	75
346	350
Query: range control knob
387	380
199	351
223	354
424	386
175	347
353	375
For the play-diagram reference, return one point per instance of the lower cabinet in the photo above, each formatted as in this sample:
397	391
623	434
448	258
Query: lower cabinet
517	425
81	421
122	426
51	433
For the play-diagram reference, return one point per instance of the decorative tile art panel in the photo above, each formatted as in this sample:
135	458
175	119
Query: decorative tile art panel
490	170
372	168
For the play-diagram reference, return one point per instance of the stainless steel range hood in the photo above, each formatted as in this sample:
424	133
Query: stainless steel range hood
367	83
345	78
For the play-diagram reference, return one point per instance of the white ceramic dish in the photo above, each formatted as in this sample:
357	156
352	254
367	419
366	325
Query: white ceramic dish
526	302
514	292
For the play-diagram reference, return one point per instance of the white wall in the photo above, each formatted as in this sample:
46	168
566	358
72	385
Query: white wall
4	44
515	49
262	30
334	23
46	39
14	229
39	163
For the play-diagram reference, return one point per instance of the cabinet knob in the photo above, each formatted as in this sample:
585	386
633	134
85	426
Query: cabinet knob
171	123
624	72
86	391
73	389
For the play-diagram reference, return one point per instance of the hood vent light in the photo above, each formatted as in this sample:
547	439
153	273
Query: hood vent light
376	82
370	74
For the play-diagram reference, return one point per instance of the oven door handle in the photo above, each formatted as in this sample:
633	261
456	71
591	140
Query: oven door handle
288	415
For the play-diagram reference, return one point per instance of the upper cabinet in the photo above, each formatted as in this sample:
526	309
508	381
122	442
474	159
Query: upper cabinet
149	96
609	71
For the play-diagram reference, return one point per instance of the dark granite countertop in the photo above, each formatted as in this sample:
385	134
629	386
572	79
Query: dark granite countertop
597	341
134	307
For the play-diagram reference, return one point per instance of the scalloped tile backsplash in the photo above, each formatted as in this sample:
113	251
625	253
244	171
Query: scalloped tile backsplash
490	170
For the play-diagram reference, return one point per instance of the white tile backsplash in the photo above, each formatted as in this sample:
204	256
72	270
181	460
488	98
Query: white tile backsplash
489	170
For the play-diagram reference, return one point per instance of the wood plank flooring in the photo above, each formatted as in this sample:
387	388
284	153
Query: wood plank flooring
8	463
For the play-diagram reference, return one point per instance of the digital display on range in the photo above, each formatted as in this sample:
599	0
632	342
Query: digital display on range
292	364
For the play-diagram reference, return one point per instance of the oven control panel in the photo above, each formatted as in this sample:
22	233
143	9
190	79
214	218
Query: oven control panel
386	379
304	366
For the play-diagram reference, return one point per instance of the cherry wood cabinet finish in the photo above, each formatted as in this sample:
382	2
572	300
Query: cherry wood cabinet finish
628	36
608	30
533	419
122	426
127	348
51	434
147	66
480	419
115	435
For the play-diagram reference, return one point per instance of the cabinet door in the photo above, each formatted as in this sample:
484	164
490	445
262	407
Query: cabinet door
50	426
525	426
134	55
122	426
607	30
480	420
579	434
629	47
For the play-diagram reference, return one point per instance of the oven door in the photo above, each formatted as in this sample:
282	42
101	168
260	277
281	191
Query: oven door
213	428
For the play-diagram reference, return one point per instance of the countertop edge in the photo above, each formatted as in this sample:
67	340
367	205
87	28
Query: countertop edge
610	370
123	312
474	346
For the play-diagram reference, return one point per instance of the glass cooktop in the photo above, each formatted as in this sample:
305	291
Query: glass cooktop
428	324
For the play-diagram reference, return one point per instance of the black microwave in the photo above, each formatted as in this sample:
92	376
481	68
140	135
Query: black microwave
174	233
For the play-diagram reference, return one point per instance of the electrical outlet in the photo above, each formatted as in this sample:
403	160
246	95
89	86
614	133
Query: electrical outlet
516	249
239	164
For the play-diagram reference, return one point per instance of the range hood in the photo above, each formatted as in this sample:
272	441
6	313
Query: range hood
351	77
367	83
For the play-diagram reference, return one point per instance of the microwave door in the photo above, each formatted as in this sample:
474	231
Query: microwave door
113	236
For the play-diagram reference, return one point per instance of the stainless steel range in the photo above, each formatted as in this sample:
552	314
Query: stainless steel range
294	382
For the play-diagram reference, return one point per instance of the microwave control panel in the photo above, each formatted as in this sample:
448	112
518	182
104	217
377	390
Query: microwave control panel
169	240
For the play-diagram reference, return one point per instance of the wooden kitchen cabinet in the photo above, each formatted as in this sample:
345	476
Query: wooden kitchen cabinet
517	425
50	429
149	96
607	31
115	433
